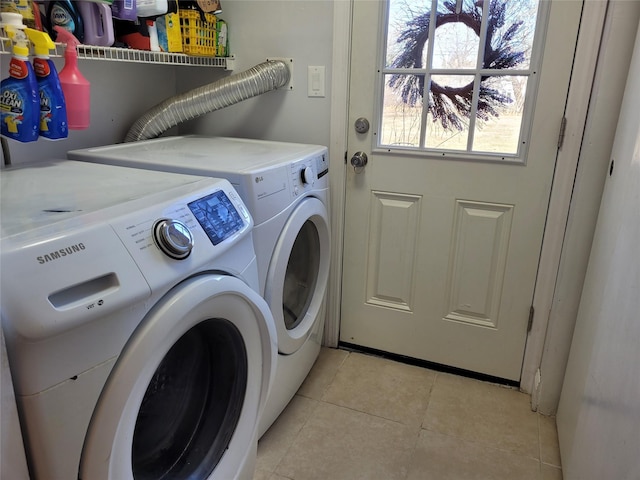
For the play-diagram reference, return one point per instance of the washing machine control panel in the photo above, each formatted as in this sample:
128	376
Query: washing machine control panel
187	231
173	237
217	215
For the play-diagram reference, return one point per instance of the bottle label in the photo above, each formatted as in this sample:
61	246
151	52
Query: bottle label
41	67
19	105
45	111
53	113
61	17
11	101
16	121
18	68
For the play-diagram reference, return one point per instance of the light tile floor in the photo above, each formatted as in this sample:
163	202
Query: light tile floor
363	417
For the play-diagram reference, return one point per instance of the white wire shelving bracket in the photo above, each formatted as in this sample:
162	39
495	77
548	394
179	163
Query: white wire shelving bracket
91	52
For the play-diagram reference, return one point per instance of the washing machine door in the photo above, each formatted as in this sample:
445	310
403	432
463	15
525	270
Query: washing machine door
184	398
298	273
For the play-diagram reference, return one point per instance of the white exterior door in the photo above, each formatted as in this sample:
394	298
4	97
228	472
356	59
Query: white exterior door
444	224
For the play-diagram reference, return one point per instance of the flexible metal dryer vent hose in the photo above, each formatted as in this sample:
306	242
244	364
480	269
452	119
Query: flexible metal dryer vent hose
228	91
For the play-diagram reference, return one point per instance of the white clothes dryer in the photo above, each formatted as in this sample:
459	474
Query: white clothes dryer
139	345
286	189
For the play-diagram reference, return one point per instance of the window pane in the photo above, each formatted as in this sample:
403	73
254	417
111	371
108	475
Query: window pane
407	19
438	137
500	131
455	43
450	100
399	17
510	33
401	121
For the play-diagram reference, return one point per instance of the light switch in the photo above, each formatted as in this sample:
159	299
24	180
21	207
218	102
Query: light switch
315	81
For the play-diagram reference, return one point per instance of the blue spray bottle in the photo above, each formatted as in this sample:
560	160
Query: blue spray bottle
53	109
19	97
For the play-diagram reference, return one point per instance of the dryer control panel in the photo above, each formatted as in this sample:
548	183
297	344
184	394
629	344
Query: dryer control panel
307	172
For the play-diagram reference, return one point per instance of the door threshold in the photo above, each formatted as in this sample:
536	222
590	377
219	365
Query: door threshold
350	347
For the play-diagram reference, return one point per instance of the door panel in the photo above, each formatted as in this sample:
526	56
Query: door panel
392	249
479	249
441	250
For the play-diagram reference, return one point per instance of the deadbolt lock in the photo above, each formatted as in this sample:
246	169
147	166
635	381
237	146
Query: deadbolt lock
362	125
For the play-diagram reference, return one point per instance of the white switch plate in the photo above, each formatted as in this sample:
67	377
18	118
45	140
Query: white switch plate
315	81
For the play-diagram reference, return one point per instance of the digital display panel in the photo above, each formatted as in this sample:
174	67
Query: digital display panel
217	215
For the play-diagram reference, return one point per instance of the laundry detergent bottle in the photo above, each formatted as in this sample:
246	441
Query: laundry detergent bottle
19	97
76	88
53	110
98	23
65	14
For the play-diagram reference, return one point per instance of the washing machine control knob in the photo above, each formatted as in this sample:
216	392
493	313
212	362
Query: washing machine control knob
173	238
307	176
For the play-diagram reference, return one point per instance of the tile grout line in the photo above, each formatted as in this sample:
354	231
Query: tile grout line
539	445
420	427
426	412
539	453
306	420
297	434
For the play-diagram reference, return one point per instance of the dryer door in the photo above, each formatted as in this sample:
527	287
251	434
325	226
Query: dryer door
184	397
298	273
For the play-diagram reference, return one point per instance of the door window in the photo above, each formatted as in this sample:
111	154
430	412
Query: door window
301	276
458	76
192	404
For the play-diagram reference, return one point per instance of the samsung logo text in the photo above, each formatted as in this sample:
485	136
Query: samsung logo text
58	254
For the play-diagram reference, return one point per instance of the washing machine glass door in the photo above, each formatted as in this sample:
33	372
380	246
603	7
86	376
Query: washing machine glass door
298	273
183	398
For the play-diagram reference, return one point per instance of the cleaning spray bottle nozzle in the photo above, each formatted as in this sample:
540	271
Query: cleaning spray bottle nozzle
65	36
76	88
41	41
19	40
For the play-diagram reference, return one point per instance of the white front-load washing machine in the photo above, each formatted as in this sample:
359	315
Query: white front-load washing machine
139	345
286	189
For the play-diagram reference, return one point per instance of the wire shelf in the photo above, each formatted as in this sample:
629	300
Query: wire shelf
91	52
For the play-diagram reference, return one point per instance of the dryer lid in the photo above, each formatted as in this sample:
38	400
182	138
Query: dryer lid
194	154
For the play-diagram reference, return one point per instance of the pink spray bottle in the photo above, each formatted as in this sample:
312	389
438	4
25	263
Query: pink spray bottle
76	88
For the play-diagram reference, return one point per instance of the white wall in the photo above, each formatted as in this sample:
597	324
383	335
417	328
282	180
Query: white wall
261	29
120	93
599	413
